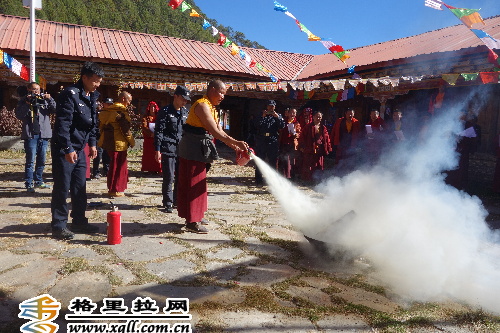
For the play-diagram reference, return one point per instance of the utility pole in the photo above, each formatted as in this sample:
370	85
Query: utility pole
32	4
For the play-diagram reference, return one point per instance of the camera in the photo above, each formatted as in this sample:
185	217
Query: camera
35	96
36	99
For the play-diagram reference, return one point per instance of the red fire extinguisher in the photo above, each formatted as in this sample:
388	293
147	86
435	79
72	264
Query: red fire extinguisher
114	220
243	157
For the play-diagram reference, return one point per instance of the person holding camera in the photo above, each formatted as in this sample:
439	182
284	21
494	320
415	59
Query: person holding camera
34	111
267	131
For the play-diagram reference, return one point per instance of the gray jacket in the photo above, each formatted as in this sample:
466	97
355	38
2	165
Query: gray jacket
43	108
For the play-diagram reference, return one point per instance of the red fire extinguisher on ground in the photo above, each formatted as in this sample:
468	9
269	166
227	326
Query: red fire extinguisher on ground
114	220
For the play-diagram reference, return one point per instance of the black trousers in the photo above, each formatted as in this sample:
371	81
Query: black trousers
103	156
170	170
68	179
268	152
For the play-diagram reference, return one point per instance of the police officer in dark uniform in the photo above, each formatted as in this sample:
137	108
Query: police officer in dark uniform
168	133
75	126
266	131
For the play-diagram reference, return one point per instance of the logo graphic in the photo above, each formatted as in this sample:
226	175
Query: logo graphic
41	311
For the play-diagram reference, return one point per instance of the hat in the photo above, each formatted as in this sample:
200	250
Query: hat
182	91
271	102
108	100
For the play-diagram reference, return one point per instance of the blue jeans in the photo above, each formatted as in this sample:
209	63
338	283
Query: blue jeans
36	148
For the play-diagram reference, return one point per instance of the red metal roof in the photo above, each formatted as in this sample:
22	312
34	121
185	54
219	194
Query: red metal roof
78	42
115	46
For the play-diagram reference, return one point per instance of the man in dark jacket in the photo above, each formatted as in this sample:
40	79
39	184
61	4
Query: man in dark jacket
267	130
75	126
34	110
168	133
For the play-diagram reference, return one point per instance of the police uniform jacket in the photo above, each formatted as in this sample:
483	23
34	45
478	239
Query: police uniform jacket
28	113
168	129
267	129
76	119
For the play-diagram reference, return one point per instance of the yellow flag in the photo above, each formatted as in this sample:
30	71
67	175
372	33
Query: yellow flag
234	49
344	58
313	38
194	13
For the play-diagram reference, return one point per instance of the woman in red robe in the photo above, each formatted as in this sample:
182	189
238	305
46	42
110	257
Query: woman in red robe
149	162
315	145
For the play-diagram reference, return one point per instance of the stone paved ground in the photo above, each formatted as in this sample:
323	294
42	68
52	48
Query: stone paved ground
252	273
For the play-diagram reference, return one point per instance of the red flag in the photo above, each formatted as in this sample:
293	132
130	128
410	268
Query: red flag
489	77
175	3
492	57
25	74
222	39
252	63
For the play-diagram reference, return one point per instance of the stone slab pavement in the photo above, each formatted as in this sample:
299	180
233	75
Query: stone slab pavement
253	272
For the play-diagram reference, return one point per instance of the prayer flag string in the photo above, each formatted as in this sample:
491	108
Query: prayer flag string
337	50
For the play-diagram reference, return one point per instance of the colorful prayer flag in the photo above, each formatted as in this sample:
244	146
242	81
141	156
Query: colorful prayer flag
185	6
248	59
489	77
214	30
470	76
488	40
25	73
450	78
252	64
313	38
1	56
279	8
350	70
242	54
332	47
342	55
234	49
7	60
227	43
492	57
175	3
434	4
333	98
222	39
206	24
16	67
194	13
290	15
467	16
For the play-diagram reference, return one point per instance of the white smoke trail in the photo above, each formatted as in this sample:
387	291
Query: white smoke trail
426	240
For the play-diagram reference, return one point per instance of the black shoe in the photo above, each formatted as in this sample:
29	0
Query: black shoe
96	176
205	221
64	233
196	227
169	209
85	228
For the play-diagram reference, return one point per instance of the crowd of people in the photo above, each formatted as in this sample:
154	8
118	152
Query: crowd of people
180	145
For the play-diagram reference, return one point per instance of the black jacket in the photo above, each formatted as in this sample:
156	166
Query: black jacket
168	129
76	119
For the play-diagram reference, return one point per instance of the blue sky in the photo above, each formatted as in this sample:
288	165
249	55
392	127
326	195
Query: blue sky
350	23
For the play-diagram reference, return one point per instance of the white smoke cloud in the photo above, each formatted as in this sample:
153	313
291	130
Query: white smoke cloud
426	240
